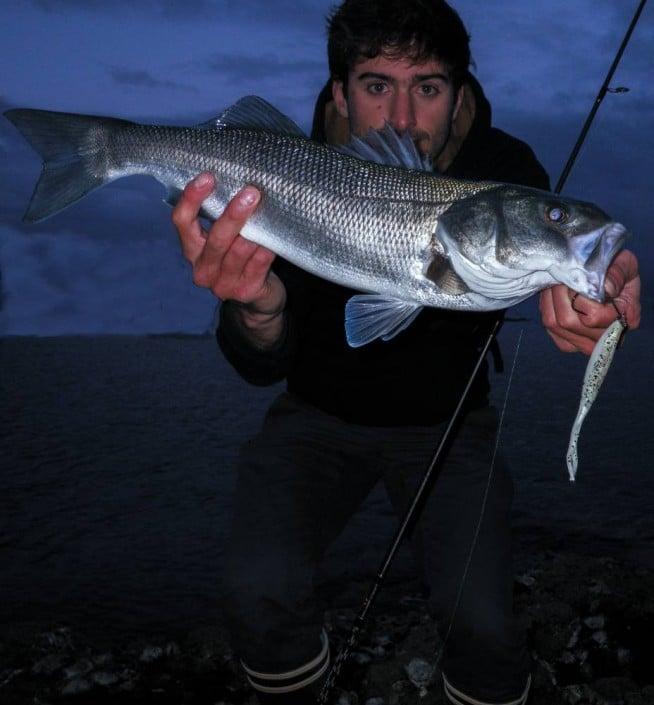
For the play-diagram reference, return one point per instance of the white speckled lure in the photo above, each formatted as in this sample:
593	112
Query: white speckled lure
598	365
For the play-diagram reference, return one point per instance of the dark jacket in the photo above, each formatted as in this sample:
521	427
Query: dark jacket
417	377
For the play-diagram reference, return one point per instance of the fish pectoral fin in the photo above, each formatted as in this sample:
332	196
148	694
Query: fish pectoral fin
371	316
252	113
173	194
441	272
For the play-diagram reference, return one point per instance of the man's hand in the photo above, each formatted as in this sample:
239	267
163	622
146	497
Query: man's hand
232	267
579	328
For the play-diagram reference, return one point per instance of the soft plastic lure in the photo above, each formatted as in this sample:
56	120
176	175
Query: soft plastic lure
598	365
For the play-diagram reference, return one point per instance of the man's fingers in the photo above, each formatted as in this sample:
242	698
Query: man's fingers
257	267
219	265
185	215
225	230
567	325
622	270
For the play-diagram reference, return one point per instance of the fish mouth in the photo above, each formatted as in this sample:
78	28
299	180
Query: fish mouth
612	238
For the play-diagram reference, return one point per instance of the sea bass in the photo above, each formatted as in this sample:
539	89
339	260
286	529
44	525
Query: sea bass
371	215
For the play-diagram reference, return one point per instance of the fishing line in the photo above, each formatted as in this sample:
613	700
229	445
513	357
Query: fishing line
484	500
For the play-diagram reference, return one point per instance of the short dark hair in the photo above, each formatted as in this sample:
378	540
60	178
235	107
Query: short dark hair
421	30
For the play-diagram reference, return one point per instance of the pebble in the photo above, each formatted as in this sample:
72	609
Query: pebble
420	673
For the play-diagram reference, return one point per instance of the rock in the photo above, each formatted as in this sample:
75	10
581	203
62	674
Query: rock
128	679
413	602
347	698
613	690
599	587
80	668
49	665
150	654
56	640
105	678
399	691
77	686
596	622
525	580
601	638
7	676
102	660
578	695
567	658
575	626
361	658
383	640
172	650
375	701
624	656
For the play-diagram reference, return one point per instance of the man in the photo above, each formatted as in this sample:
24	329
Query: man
354	416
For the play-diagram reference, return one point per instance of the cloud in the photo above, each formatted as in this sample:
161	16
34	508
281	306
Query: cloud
245	67
289	12
144	79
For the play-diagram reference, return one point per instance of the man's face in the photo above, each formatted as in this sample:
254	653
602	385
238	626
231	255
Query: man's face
419	98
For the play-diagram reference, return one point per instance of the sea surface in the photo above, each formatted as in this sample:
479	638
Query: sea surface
117	467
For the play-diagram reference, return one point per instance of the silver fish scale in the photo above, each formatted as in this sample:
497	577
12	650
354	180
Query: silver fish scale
359	223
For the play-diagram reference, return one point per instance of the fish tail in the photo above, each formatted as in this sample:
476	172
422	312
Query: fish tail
75	153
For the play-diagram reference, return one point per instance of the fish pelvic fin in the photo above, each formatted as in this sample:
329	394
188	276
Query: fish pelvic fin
371	316
74	152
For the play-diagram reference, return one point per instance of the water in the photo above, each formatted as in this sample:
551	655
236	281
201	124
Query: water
117	456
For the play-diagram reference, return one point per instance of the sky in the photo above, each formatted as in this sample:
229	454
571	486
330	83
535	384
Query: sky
112	263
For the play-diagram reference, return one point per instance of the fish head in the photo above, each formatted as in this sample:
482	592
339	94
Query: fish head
508	242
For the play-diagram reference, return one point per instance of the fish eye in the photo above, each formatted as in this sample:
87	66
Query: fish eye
557	215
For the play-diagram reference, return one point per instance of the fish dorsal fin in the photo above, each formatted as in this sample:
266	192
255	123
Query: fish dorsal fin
370	316
387	147
253	113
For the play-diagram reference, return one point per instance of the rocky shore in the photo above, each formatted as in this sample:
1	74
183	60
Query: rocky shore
589	621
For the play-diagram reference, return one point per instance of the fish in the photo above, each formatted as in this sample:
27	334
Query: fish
596	369
370	215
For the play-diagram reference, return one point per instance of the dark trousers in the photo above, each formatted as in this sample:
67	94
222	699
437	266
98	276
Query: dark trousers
299	482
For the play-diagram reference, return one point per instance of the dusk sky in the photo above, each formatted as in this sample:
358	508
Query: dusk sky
112	264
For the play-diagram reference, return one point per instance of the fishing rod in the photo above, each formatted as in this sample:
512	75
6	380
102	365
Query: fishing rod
433	471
